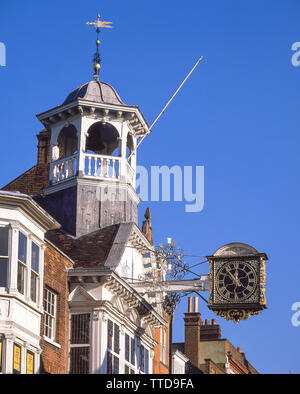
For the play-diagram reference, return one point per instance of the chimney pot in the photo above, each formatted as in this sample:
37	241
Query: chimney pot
239	350
207	322
195	304
190	305
213	322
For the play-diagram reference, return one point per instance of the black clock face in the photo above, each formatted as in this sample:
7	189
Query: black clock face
236	281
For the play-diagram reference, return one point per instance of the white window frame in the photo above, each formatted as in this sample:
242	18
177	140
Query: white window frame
6	225
132	367
133	338
74	345
23	265
30	239
34	273
48	315
163	345
112	351
140	371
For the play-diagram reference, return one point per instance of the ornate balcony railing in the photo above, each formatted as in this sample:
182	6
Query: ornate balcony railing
92	166
101	166
63	169
130	174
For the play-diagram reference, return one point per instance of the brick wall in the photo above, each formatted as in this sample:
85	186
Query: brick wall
158	366
54	359
36	178
210	368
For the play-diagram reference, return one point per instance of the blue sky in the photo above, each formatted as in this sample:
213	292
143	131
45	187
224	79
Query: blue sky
238	116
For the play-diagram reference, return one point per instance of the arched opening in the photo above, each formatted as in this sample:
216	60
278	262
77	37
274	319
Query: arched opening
102	139
129	145
67	141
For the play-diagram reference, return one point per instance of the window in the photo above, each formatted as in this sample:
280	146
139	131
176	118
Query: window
3	256
35	259
50	303
113	347
80	344
17	359
129	354
163	345
144	359
29	363
22	257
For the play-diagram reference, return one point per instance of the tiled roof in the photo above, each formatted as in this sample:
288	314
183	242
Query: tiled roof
87	251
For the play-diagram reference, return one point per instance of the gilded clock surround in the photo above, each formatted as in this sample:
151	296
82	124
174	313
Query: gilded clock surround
237	281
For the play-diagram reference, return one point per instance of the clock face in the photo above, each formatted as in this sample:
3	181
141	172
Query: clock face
236	281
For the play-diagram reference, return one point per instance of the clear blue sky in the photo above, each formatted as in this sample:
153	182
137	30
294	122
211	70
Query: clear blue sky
238	116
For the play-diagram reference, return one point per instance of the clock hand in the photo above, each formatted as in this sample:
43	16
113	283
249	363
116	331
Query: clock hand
236	281
236	278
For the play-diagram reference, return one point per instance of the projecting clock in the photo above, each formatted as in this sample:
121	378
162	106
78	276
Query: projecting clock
237	279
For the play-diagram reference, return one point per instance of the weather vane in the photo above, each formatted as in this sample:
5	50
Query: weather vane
98	24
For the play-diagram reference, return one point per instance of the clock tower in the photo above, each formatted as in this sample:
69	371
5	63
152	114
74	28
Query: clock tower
94	137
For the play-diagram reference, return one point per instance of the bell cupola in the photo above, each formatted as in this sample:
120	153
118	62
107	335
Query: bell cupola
93	143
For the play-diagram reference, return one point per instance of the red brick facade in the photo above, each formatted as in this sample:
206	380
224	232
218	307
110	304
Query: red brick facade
158	366
212	369
205	348
36	178
54	357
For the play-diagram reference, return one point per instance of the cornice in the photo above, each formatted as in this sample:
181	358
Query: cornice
27	205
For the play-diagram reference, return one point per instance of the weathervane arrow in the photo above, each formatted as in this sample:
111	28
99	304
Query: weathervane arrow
98	25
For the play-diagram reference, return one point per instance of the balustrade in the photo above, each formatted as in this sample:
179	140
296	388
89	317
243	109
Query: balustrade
94	166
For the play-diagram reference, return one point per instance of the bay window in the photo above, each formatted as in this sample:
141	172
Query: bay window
125	352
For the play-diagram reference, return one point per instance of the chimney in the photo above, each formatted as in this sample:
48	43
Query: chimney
192	332
210	332
43	147
147	226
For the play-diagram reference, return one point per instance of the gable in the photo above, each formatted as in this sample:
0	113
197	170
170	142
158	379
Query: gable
80	294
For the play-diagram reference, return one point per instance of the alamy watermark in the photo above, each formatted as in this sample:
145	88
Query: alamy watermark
296	316
2	54
162	183
296	56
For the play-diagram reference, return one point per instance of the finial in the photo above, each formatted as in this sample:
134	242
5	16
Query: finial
97	60
147	214
147	227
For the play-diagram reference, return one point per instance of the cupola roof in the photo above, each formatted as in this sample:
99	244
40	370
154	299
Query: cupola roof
95	91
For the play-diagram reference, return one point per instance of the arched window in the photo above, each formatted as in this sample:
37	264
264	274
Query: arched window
67	141
129	145
103	139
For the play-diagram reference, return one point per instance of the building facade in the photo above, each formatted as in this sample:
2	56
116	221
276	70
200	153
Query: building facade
205	350
86	316
72	255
